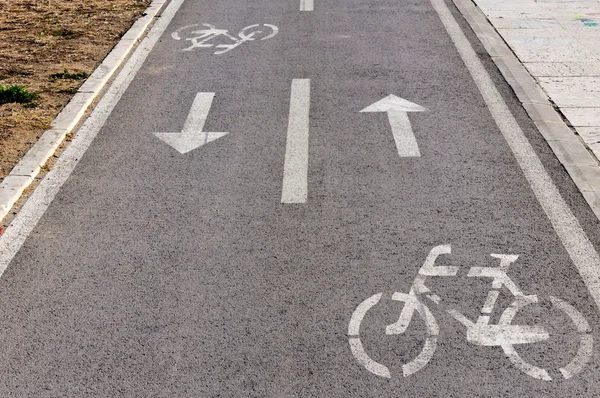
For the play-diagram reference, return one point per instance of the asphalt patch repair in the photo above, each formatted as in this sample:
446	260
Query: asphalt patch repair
49	47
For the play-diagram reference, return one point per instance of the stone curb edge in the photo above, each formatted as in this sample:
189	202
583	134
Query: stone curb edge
568	148
24	173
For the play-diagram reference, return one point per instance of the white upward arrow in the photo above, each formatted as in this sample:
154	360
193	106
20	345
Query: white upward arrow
192	136
397	109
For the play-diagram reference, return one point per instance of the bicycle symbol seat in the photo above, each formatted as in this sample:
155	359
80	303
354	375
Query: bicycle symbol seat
206	38
482	332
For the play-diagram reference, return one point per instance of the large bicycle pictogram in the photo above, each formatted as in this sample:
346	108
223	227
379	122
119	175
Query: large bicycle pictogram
482	332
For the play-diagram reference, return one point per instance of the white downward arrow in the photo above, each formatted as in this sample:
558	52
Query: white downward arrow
192	136
397	109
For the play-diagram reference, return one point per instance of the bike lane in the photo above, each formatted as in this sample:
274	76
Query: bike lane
159	273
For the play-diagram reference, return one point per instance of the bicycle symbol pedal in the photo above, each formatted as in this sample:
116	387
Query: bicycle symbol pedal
210	36
481	332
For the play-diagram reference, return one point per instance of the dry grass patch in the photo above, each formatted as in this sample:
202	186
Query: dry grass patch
48	47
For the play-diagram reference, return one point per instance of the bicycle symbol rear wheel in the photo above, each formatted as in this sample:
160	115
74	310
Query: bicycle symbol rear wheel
377	368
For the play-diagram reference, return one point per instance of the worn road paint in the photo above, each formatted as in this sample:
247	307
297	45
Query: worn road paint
397	109
355	343
377	368
44	194
192	136
481	332
295	172
306	5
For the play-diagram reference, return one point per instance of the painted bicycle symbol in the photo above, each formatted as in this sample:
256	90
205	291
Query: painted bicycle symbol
482	332
211	36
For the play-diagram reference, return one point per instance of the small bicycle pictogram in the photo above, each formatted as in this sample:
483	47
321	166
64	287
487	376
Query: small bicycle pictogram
207	38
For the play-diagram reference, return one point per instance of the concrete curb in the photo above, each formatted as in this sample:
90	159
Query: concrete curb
567	146
24	173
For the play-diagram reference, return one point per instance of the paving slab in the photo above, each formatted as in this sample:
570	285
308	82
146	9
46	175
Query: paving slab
558	42
573	91
590	135
544	69
582	117
543	45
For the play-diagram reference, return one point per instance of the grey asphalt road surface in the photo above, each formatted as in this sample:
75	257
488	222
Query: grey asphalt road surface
160	274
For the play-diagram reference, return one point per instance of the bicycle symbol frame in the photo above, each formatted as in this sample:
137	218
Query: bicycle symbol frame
481	332
202	38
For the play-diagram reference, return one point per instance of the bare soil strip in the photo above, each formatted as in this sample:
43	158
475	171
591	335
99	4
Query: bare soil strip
48	47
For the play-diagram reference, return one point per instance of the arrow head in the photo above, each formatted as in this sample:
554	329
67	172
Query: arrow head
184	143
393	103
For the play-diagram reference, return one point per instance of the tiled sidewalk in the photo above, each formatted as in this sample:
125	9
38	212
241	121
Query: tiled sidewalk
558	41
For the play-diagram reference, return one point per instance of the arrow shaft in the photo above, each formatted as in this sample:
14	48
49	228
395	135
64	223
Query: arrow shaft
406	143
198	114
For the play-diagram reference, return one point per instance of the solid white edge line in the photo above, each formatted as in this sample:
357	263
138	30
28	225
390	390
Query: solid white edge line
574	239
25	172
295	172
35	207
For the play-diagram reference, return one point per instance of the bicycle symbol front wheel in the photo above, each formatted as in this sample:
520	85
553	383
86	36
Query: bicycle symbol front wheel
377	368
261	32
582	327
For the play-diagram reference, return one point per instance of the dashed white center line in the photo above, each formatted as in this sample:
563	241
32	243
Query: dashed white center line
306	5
295	172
